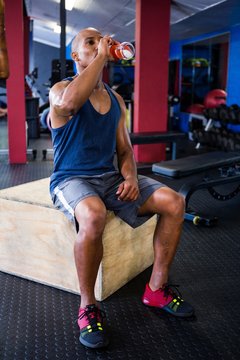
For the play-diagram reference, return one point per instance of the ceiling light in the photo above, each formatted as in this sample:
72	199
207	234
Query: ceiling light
57	29
130	22
69	4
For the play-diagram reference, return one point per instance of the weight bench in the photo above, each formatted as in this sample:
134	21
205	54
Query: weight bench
193	164
155	137
227	161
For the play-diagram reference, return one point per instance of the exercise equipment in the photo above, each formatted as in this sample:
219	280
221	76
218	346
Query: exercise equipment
212	101
37	241
173	112
45	121
32	117
56	70
228	164
224	114
197	219
173	100
32	152
156	137
195	109
215	98
194	164
220	130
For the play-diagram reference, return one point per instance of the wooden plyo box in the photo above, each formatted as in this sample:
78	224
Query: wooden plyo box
36	242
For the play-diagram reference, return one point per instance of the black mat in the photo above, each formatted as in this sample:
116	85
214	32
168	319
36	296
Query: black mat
11	175
38	322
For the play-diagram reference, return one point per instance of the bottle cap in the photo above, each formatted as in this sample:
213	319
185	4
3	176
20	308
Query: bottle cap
127	50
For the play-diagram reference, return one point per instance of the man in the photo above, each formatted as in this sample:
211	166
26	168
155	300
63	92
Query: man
88	125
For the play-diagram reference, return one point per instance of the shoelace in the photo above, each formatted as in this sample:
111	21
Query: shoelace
93	314
167	290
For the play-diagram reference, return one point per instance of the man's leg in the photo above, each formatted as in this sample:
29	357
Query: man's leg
88	250
170	206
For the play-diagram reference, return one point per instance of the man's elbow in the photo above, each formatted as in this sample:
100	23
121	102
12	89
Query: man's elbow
65	109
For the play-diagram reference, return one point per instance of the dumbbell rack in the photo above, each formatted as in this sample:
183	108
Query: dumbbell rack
222	130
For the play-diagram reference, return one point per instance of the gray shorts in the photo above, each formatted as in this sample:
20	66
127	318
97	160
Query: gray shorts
70	192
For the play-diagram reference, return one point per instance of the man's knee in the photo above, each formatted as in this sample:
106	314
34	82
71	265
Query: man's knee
91	217
176	205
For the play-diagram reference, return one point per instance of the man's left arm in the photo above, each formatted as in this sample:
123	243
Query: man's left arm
128	189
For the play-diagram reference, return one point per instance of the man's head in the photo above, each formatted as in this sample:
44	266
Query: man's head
85	46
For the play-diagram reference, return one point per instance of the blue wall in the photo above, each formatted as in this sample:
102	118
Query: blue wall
233	82
43	56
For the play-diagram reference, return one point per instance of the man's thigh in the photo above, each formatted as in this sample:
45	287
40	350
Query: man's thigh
129	210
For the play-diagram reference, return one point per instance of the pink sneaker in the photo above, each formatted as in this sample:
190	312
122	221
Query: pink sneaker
92	333
165	298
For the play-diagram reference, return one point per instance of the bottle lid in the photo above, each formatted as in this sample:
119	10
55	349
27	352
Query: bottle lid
127	50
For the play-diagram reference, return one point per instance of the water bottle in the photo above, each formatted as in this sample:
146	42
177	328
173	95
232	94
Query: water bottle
123	51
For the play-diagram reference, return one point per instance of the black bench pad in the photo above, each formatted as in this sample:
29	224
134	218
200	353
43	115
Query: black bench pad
195	163
154	137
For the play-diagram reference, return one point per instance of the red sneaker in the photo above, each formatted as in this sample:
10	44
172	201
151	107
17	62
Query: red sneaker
165	298
92	333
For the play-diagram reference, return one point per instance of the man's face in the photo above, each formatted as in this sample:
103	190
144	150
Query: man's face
87	48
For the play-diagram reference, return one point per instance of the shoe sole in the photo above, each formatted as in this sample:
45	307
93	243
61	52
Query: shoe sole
94	346
182	315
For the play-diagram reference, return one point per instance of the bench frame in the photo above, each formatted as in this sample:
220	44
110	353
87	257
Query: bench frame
230	173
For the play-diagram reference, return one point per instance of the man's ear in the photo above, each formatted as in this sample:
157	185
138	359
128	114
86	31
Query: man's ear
75	56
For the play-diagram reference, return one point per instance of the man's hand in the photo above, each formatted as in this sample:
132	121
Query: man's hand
128	190
104	46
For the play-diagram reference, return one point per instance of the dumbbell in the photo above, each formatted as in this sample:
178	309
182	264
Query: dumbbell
231	142
223	113
233	113
238	116
236	109
211	113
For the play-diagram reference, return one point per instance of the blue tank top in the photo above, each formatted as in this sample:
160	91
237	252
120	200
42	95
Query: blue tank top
86	144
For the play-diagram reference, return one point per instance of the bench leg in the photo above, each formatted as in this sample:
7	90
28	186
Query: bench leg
174	150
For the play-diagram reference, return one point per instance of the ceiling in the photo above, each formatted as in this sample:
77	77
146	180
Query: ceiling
117	18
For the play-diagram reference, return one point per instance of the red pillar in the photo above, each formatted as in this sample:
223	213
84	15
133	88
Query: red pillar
151	74
15	83
26	20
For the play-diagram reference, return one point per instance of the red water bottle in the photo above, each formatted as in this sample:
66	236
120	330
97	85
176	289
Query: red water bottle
123	51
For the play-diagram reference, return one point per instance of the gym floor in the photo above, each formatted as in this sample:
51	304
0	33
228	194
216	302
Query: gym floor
39	322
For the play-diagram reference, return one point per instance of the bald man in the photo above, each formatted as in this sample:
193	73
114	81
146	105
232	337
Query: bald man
88	122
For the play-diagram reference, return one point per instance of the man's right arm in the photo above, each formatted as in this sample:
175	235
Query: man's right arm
67	97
